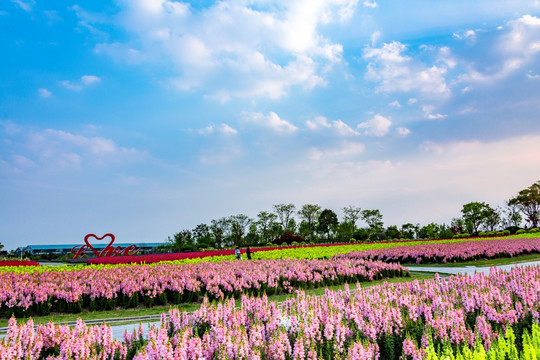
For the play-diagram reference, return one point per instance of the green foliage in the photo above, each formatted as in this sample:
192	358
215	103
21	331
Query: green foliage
521	231
328	220
392	232
374	220
528	202
361	234
475	214
534	230
309	213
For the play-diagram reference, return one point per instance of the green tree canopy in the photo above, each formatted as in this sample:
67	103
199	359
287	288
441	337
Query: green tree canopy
528	202
328	220
352	214
284	212
474	214
374	219
309	213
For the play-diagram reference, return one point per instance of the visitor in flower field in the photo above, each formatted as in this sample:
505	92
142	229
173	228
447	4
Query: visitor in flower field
237	253
248	253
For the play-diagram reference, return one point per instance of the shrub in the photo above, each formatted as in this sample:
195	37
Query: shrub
513	229
361	234
521	231
287	237
481	233
506	232
534	230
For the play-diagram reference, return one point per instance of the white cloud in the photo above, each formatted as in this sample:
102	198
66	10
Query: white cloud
221	129
272	121
25	5
234	49
456	173
70	85
341	128
395	104
370	4
52	149
90	79
44	93
412	101
517	46
377	126
429	113
469	36
397	72
533	76
403	131
375	36
345	149
221	155
86	80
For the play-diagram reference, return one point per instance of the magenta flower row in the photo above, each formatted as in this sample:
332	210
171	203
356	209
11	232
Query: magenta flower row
18	263
217	280
449	252
388	321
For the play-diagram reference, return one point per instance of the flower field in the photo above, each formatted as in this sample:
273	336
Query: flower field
292	252
450	252
41	292
462	317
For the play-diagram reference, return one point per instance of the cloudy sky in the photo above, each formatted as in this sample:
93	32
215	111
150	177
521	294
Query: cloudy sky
145	117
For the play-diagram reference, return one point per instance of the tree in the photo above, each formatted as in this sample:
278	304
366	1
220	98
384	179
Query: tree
309	213
373	218
430	231
344	232
238	224
457	226
265	222
492	219
181	240
528	202
252	237
202	235
512	216
284	212
328	220
352	214
409	231
219	229
392	232
474	215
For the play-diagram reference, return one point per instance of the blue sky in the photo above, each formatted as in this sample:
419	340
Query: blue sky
145	117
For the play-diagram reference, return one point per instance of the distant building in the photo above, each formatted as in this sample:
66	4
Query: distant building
63	249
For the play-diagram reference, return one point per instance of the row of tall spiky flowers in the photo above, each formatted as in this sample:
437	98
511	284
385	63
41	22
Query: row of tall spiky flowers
480	317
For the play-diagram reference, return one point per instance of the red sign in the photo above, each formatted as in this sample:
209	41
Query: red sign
109	250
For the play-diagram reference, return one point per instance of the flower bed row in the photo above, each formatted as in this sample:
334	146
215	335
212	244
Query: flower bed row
18	263
413	320
297	252
128	286
450	252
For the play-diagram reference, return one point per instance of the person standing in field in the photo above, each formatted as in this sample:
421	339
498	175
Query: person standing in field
248	253
237	253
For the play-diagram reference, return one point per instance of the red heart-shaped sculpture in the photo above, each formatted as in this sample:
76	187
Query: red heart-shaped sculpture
98	254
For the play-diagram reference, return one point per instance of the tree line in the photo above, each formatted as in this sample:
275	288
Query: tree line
287	224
